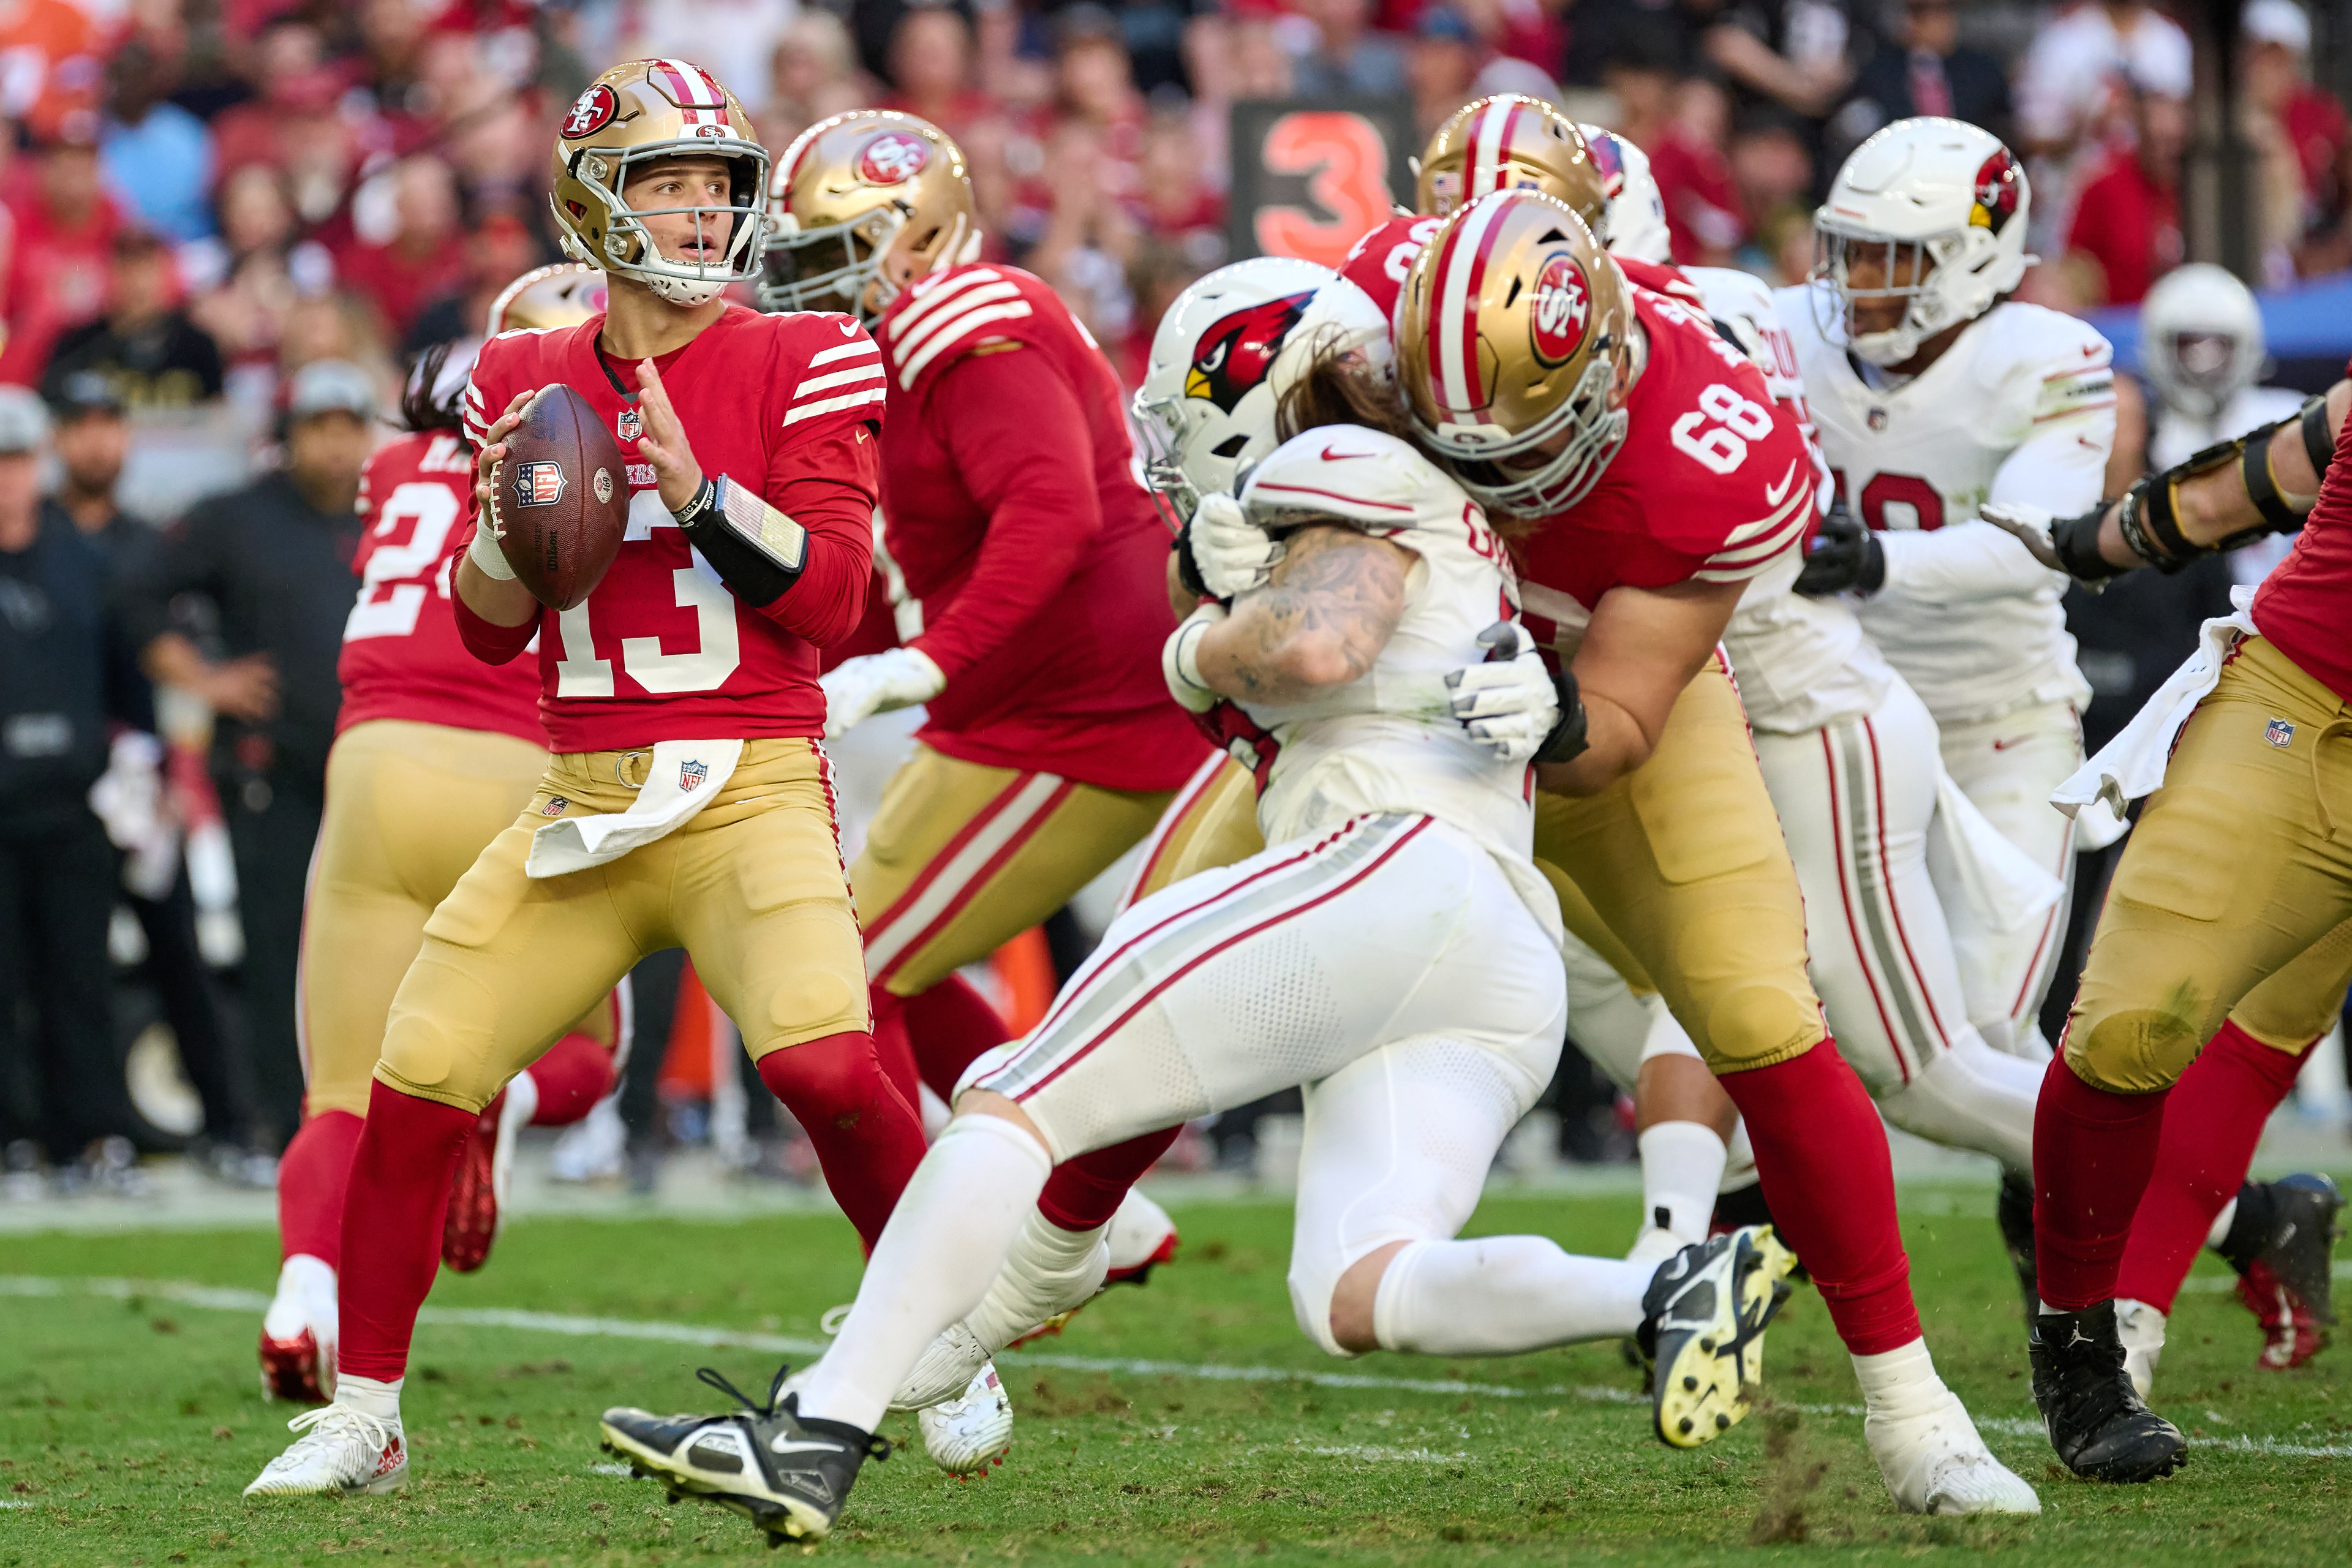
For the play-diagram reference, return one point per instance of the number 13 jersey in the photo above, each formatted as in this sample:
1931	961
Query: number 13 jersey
2020	407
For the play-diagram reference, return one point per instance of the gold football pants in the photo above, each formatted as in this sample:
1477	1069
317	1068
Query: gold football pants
2233	889
751	885
1677	870
409	808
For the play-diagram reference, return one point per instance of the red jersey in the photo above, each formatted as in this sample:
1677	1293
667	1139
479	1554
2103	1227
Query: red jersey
402	657
1012	506
662	651
2304	606
1713	484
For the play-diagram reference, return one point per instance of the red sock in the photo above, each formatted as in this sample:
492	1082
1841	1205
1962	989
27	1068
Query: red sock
392	1225
1821	1156
1086	1191
869	1140
2201	1156
575	1073
949	1026
2093	1150
312	1175
890	1045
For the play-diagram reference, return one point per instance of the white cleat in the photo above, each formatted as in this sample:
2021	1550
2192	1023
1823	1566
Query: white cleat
1142	1237
2141	1328
1050	1272
1932	1462
954	1362
340	1452
968	1435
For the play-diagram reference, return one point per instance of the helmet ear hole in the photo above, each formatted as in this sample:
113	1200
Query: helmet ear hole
1230	446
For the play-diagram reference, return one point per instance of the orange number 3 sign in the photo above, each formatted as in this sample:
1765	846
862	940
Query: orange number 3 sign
1347	167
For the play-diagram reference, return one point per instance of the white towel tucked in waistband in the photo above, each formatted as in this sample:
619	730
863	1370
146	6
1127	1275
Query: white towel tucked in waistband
683	778
2133	763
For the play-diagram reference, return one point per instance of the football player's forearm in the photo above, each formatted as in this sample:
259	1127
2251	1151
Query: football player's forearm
1967	561
1034	542
1616	744
507	604
492	642
2215	505
828	600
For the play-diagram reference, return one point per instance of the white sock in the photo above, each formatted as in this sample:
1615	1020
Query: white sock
1500	1295
2222	1223
1044	1269
1739	1161
522	1098
945	1243
304	1284
1682	1166
1900	1381
368	1397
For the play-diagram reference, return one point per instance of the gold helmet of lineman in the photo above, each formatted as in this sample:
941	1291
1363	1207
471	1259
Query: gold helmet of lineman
1509	142
636	114
562	295
851	191
1514	349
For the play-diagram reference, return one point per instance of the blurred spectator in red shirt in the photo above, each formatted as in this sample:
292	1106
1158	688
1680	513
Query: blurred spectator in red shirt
1442	62
813	75
1681	126
292	126
422	260
149	352
499	248
49	65
728	39
1528	30
1177	204
2299	130
1347	56
930	72
1771	164
2125	232
65	227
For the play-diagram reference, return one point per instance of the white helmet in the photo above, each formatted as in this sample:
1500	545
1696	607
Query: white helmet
1637	211
1945	187
2200	338
1223	356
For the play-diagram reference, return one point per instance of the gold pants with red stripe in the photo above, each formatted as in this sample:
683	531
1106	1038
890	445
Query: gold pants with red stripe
409	808
2233	896
962	857
1676	874
751	885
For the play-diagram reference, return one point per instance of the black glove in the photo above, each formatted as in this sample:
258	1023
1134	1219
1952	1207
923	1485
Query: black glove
1845	555
1566	742
1188	570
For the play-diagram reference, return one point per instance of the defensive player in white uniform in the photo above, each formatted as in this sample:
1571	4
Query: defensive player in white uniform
1395	949
1934	395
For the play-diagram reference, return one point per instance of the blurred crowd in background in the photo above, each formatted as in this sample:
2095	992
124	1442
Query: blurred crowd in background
201	198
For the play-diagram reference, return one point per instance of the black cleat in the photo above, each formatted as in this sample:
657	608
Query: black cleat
2013	1211
789	1476
1708	1306
2302	1240
2095	1419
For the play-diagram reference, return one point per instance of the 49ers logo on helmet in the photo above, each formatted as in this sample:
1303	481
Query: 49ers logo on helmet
1996	193
1234	355
892	158
591	111
1557	314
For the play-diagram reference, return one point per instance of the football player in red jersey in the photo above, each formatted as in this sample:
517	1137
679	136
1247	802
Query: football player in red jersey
687	803
1657	478
2226	936
430	762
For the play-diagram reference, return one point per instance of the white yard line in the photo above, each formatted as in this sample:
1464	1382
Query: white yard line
223	1299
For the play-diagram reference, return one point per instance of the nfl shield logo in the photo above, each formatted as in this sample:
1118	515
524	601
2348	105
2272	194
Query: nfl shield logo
2279	733
554	806
691	774
1877	418
539	484
628	426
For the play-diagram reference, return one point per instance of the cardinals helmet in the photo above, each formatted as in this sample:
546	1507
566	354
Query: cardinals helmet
2200	338
1941	207
1513	342
1508	142
562	295
1223	355
1637	210
851	187
635	114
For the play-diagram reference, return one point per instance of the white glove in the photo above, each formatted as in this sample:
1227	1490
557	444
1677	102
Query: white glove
1179	660
1233	553
1509	703
857	688
2029	525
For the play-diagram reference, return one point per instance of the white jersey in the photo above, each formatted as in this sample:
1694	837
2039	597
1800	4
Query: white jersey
2019	408
1388	742
1801	663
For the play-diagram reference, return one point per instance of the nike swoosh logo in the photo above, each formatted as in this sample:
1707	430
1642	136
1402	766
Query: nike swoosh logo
849	329
1772	493
1331	457
785	1446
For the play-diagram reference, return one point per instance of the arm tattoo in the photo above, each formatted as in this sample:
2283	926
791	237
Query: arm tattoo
1337	594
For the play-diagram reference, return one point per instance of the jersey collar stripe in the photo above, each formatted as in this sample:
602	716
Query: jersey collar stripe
903	344
830	404
1011	310
1494	134
1335	495
846	350
947	289
838	378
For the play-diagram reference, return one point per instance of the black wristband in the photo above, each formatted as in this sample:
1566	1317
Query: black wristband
1566	741
737	547
2317	444
1188	570
2261	489
2076	541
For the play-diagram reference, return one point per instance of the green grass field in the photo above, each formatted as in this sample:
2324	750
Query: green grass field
129	1421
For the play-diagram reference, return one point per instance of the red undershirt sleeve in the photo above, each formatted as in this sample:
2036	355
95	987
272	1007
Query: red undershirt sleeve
486	639
1021	441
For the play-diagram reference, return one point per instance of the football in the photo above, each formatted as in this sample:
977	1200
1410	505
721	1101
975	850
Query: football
560	498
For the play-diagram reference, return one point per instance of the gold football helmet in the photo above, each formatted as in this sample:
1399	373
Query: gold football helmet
1509	142
1514	349
849	189
635	114
562	295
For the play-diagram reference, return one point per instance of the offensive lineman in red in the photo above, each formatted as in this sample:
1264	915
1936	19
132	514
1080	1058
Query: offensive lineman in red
687	803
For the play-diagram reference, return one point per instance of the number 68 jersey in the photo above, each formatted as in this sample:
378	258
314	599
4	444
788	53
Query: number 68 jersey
2020	407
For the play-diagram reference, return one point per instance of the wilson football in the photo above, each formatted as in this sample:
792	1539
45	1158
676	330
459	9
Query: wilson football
561	498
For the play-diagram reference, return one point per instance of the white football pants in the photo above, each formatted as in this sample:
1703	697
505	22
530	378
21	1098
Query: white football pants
2007	767
1855	799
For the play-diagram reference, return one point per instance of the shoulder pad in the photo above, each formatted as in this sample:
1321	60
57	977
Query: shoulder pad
1348	471
833	364
947	315
1376	263
1659	277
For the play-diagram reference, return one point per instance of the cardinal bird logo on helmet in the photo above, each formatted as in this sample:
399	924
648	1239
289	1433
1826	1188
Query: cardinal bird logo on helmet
1609	159
1996	193
1234	355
